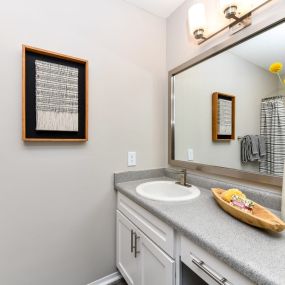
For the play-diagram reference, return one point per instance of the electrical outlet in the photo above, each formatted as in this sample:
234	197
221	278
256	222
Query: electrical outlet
190	154
132	158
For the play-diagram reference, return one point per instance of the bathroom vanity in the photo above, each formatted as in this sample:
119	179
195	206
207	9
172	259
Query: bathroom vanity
149	252
233	89
145	245
191	242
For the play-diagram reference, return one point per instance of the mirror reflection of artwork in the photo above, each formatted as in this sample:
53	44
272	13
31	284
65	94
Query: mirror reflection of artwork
245	70
56	97
224	117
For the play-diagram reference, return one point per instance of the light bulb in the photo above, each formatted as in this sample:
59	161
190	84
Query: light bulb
197	17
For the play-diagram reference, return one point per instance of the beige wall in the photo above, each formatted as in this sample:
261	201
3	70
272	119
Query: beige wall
57	203
229	74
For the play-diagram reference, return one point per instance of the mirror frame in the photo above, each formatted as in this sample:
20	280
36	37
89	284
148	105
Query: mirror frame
236	39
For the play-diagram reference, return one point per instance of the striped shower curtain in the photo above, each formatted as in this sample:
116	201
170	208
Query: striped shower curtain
272	128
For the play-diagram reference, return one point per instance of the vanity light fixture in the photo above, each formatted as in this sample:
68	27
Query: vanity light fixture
238	12
197	20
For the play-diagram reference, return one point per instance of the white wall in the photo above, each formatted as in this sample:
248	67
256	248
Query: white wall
224	73
57	203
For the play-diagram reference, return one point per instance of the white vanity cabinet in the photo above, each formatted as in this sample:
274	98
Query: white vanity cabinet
150	253
140	261
140	256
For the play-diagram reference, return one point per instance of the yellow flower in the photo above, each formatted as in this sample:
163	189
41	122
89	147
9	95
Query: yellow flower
276	67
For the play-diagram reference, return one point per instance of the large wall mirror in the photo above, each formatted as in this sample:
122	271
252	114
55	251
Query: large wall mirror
227	110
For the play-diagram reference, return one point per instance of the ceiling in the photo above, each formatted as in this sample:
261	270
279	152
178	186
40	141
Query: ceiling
264	49
161	8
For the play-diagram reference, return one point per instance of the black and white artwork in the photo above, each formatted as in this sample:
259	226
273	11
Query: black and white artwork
56	97
224	117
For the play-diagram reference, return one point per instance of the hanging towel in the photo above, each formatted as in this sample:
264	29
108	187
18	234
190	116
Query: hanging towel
254	153
253	148
246	152
262	147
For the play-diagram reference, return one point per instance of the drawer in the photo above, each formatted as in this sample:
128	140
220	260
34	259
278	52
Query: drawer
158	231
209	267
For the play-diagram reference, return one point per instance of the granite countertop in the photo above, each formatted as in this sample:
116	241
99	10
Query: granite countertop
259	255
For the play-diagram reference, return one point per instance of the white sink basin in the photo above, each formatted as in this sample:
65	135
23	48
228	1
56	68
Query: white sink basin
167	191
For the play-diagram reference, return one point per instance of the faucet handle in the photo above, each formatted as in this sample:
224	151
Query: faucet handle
183	178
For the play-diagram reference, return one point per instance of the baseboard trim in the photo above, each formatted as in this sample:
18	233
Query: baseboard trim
107	280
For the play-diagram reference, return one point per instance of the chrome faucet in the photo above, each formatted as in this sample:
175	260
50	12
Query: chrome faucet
183	178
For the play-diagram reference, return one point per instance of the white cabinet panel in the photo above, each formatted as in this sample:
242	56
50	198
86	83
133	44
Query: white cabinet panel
126	261
156	267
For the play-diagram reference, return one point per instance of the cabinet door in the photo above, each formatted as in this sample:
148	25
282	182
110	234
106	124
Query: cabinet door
126	261
155	267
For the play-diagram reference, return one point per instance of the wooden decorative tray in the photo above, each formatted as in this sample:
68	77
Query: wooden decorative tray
260	216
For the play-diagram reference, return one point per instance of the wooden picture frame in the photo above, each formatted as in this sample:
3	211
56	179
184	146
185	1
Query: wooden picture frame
228	132
29	132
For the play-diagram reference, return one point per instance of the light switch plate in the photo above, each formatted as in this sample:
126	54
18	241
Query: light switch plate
132	158
190	154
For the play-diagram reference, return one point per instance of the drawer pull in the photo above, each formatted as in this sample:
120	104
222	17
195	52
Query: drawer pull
132	240
201	264
136	245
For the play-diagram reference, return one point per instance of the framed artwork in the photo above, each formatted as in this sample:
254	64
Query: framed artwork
55	96
223	117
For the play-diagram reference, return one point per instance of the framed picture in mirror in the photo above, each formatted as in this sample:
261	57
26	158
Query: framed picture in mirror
223	117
